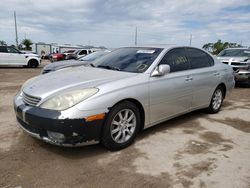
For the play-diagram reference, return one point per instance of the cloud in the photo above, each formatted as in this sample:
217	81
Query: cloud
112	22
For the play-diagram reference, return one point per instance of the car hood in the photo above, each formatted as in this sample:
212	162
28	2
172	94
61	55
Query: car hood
62	64
240	59
71	79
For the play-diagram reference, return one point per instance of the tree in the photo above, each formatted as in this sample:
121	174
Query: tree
27	43
217	47
3	43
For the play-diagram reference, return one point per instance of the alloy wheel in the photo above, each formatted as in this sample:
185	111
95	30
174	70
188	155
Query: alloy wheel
123	126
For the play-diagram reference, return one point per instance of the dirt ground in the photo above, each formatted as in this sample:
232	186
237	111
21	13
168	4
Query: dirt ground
194	150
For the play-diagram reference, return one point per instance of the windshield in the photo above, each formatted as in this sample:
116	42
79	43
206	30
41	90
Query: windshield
235	53
93	56
132	59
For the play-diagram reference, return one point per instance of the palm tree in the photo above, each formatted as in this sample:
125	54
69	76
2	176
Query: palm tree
208	47
2	43
217	47
27	43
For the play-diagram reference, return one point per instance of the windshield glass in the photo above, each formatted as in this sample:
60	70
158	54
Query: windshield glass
93	56
131	59
235	53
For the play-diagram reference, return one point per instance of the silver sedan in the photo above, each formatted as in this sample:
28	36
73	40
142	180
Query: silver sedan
114	98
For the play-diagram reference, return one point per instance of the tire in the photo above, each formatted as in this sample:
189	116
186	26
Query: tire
32	63
248	81
216	100
121	126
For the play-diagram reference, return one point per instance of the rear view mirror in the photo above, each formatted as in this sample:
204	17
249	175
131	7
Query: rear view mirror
161	70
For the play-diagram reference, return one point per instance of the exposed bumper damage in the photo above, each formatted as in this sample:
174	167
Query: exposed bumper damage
45	125
242	76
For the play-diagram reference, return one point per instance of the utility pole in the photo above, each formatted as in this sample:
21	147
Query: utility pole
135	35
190	41
16	29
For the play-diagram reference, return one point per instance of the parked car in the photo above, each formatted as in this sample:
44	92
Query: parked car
81	53
12	57
57	57
70	54
239	60
120	94
73	63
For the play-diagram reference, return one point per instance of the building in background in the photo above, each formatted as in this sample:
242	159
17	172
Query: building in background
45	48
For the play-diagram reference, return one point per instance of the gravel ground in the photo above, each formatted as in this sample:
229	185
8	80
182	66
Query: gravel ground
194	150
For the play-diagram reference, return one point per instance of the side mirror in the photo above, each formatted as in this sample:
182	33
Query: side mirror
161	70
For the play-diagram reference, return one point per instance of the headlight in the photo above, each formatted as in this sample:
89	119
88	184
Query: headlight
69	99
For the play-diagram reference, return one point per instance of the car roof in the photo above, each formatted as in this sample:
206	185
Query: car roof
165	46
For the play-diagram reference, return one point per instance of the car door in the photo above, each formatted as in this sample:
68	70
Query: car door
171	94
16	57
204	74
4	56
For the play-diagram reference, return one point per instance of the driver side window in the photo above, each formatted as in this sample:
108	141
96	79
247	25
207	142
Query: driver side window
12	50
176	59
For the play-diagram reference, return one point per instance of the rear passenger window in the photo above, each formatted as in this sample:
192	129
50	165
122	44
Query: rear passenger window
198	58
176	59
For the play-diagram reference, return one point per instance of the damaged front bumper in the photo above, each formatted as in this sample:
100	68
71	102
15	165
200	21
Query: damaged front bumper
46	125
242	76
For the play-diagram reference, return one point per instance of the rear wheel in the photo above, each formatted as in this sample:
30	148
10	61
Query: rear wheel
249	81
121	126
32	63
216	101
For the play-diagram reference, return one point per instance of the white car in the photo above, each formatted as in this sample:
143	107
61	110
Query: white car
82	52
13	57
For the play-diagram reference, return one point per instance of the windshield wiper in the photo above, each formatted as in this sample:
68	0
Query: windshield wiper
108	67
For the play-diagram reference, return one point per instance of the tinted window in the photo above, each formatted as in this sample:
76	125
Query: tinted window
176	59
198	58
3	49
83	52
131	59
12	50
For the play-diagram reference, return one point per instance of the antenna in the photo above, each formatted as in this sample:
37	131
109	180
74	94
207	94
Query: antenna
135	35
16	29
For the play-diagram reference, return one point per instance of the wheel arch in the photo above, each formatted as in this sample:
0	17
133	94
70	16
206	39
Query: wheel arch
139	106
224	89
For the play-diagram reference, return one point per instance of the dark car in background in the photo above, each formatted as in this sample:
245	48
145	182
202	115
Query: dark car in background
72	63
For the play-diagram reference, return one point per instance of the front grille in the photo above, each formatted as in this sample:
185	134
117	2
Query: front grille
30	100
225	62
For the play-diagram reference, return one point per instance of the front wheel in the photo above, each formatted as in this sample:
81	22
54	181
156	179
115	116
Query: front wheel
121	126
216	101
32	64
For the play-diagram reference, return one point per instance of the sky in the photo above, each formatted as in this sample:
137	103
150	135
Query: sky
112	23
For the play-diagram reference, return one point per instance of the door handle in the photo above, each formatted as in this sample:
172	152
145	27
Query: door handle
188	78
216	74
